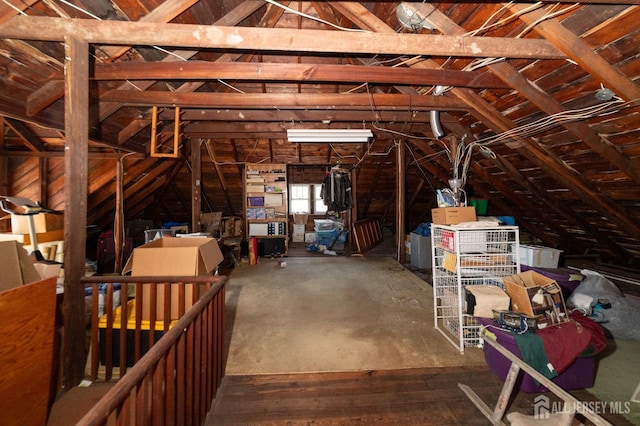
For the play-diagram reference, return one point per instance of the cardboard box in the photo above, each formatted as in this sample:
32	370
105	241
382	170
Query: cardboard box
173	257
452	215
255	188
297	238
300	218
16	266
298	229
44	222
522	289
481	300
48	270
210	222
539	256
43	237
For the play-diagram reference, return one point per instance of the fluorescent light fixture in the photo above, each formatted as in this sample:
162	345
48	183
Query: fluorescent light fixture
329	135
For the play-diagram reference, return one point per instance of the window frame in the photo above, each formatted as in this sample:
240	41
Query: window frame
311	200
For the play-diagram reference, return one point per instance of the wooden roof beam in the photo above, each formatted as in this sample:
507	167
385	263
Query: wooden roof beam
356	101
261	71
270	39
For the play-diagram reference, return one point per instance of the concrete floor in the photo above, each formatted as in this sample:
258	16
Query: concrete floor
333	313
618	376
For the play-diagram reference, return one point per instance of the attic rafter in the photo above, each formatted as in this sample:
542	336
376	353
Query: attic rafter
50	92
274	39
54	89
542	100
261	71
165	12
541	156
248	130
548	161
231	18
576	49
10	7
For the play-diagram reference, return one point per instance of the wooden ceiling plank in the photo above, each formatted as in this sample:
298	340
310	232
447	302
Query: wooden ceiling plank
580	52
282	100
274	39
542	100
28	137
542	156
580	129
44	96
165	12
9	8
516	208
551	164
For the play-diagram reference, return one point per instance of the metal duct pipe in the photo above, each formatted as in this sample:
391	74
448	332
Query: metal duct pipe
436	127
434	116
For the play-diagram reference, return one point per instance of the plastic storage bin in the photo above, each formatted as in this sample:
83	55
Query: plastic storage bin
324	224
420	251
539	256
580	375
145	326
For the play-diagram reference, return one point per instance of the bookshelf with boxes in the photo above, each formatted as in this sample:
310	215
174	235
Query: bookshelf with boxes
266	213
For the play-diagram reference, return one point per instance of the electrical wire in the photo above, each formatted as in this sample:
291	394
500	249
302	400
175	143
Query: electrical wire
18	11
314	18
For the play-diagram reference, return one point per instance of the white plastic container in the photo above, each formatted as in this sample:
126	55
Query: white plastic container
539	256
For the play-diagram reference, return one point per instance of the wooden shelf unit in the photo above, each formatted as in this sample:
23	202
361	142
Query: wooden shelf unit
266	203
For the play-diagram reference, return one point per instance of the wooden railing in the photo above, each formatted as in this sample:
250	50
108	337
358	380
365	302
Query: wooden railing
175	381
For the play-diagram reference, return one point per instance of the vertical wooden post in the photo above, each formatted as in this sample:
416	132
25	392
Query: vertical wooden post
76	105
354	196
400	201
196	184
118	223
43	164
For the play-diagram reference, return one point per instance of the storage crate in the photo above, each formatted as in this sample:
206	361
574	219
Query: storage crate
145	327
331	235
324	224
539	256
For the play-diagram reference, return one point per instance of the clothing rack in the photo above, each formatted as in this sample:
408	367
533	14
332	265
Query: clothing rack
336	189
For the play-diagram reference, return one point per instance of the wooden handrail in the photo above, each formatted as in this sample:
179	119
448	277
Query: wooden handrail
177	379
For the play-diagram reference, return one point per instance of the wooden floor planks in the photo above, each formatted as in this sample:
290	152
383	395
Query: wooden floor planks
397	397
